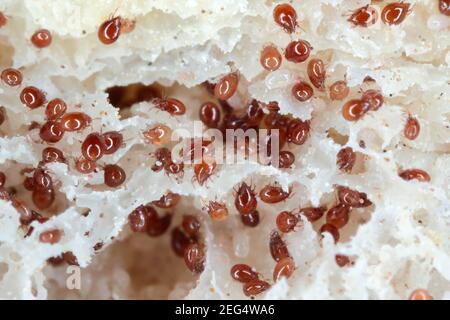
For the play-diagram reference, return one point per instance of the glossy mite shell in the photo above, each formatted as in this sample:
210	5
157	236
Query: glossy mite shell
415	174
273	194
32	97
250	219
286	221
342	260
297	51
203	171
194	257
51	132
50	236
373	98
12	77
245	200
210	114
284	268
312	213
191	225
171	105
75	121
226	87
270	58
302	91
243	273
420	294
114	175
346	159
157	135
92	147
179	242
339	90
286	17
298	131
444	7
317	73
85	166
363	17
354	109
353	198
55	109
167	201
138	219
395	13
286	159
109	31
277	246
412	128
43	199
338	216
51	154
41	38
113	140
255	287
331	230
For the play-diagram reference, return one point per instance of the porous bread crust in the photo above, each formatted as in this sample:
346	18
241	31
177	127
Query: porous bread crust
402	244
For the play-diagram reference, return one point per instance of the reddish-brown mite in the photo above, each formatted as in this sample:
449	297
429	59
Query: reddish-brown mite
41	38
203	171
32	97
255	114
3	20
109	31
339	90
331	230
338	216
218	211
12	77
363	17
194	257
191	225
163	156
342	260
28	183
284	268
171	105
113	140
255	287
298	131
167	201
75	121
93	146
157	135
412	128
297	51
55	109
44	198
2	179
157	225
226	87
174	168
354	109
285	159
273	194
138	219
302	91
415	174
210	114
250	219
374	98
180	241
85	166
42	180
317	73
50	236
270	58
51	131
444	7
353	198
277	246
345	159
243	273
312	213
286	221
286	17
420	294
114	175
26	216
395	13
245	200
